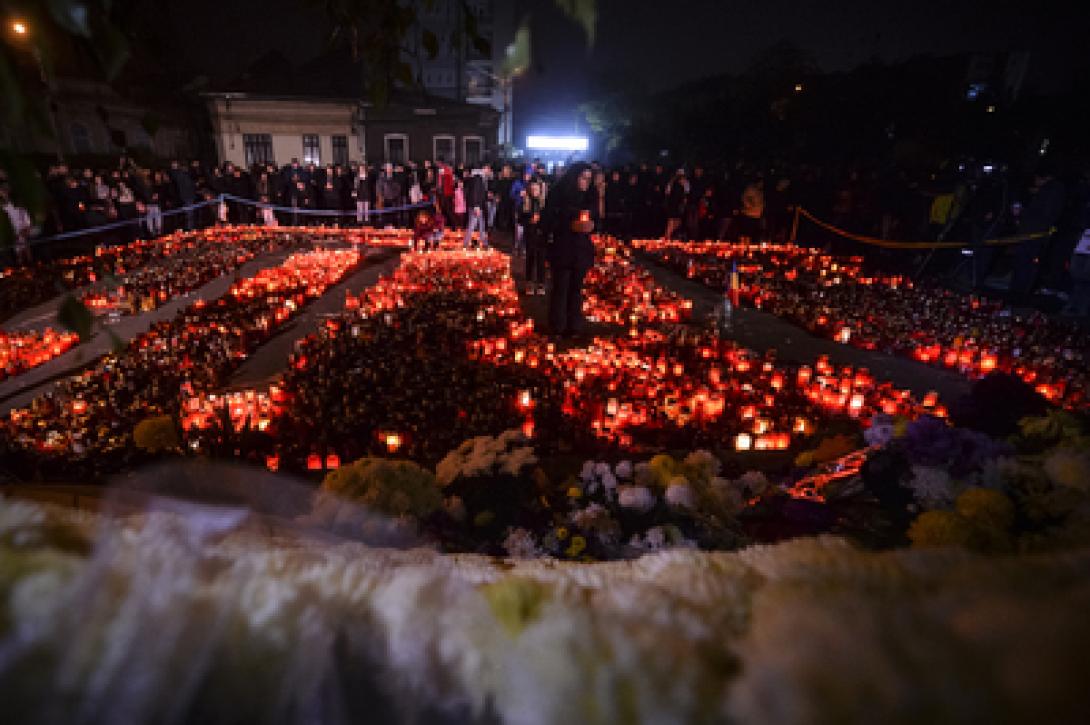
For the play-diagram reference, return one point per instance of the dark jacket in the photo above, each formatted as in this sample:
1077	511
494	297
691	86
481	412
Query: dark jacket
183	183
389	190
569	249
533	232
476	192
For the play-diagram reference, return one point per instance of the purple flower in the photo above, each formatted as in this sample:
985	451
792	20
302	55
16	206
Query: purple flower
929	441
974	450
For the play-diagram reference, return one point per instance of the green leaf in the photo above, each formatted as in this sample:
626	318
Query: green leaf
74	316
583	12
72	15
516	57
431	43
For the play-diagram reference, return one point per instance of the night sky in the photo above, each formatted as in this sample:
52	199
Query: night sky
656	44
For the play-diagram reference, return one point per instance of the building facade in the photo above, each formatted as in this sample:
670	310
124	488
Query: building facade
459	71
251	129
91	118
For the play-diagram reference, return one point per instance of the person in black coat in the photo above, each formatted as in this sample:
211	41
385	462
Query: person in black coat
534	237
476	191
570	216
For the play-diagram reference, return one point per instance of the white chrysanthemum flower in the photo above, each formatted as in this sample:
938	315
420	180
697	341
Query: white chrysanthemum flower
753	483
587	474
624	469
521	544
601	469
636	497
589	517
609	481
15	515
932	487
681	495
655	538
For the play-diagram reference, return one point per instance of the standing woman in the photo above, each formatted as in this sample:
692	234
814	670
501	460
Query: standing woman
570	215
534	237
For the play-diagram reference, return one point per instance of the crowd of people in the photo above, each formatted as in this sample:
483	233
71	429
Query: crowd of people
971	202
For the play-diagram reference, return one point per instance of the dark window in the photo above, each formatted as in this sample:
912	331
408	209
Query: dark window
395	149
444	148
472	151
340	150
258	148
81	138
312	152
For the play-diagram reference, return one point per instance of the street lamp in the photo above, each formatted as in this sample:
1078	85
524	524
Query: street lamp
22	30
798	88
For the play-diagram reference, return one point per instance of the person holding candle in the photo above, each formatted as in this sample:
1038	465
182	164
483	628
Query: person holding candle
569	217
529	219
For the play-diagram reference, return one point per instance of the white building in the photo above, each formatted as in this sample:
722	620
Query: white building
253	128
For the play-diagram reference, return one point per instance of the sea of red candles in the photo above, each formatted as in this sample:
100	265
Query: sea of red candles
21	351
834	297
632	392
619	292
91	416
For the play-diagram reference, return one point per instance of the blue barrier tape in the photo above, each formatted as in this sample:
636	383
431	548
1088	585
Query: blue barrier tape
218	200
120	224
327	212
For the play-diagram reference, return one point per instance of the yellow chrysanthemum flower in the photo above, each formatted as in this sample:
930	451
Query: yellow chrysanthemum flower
940	528
986	507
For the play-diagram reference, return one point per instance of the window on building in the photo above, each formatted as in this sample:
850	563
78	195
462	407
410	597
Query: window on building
442	148
258	148
81	138
340	150
472	148
312	151
397	147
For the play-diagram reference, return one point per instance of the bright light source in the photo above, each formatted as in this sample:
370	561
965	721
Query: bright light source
19	27
798	88
990	109
557	143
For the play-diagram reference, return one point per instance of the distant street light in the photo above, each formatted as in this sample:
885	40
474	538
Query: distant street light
21	29
798	88
990	109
